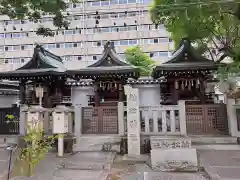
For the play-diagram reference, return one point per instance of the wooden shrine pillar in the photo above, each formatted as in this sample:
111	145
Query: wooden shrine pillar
174	91
22	92
121	91
47	99
97	96
202	91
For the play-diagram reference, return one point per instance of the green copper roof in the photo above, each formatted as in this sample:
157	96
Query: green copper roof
43	63
109	57
185	58
43	59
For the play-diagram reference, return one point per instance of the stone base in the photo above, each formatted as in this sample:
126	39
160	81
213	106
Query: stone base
95	143
174	160
140	159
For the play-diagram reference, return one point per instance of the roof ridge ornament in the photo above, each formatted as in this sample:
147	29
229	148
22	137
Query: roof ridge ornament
109	45
185	41
40	48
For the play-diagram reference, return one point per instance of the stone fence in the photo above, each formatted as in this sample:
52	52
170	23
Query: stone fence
159	120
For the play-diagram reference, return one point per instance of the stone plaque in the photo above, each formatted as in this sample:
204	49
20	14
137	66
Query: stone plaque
133	121
174	159
160	143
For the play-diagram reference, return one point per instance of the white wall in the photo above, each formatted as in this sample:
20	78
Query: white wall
149	94
7	101
80	95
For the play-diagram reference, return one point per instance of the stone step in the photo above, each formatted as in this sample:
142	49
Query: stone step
202	140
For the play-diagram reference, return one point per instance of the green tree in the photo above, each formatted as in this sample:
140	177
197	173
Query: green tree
34	10
208	24
37	145
136	57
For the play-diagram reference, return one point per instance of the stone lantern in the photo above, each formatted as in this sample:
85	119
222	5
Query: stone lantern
62	124
36	118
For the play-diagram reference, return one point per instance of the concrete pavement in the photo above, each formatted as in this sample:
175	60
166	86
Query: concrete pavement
144	172
221	164
75	167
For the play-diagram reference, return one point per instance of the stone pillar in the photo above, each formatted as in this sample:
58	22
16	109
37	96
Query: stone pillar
78	120
23	119
182	117
133	121
232	117
120	118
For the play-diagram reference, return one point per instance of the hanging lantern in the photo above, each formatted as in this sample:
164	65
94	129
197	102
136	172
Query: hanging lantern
182	85
176	85
189	85
197	83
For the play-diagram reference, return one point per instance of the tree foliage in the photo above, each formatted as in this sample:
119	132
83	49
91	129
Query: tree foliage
213	26
136	57
37	145
34	10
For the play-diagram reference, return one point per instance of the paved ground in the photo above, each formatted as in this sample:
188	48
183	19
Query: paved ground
144	172
4	157
74	167
221	164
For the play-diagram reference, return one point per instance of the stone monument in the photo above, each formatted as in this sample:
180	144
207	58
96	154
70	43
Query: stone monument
173	154
133	121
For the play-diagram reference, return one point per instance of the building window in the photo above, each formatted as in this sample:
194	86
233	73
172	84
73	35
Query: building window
133	42
68	45
113	1
163	54
105	3
51	46
122	1
95	3
94	57
131	1
123	42
79	58
163	40
16	48
8	35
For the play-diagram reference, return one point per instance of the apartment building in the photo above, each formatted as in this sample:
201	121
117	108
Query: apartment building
126	22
